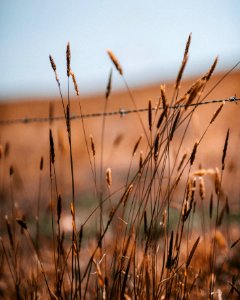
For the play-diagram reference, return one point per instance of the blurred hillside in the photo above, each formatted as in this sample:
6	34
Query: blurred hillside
28	142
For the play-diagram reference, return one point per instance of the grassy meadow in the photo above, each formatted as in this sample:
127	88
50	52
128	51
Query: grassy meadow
142	205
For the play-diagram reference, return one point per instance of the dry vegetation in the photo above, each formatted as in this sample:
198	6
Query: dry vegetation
164	230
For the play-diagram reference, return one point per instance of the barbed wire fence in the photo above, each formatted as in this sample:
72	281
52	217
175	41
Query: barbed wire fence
121	112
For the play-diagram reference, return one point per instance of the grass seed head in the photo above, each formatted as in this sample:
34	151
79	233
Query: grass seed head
180	73
193	189
211	206
216	113
217	182
163	95
200	172
115	61
194	247
225	150
52	63
174	126
52	152
9	230
92	146
194	91
188	45
193	154
118	140
80	236
59	208
185	210
201	188
141	163
156	147
189	188
109	85
150	115
136	145
68	59
127	194
211	70
41	163
169	262
163	114
164	218
11	170
183	65
109	177
22	223
182	161
68	119
74	83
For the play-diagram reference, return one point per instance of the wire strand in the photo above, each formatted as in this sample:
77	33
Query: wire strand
121	112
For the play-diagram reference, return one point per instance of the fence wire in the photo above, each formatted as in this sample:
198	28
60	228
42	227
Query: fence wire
121	112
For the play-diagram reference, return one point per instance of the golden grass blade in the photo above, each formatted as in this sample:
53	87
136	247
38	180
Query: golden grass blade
115	61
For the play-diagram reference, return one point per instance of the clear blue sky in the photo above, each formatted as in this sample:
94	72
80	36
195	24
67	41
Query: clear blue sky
148	37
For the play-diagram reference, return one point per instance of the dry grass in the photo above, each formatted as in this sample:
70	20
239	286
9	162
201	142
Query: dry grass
165	232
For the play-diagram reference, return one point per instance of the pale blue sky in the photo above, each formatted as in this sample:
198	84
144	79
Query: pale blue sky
148	37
